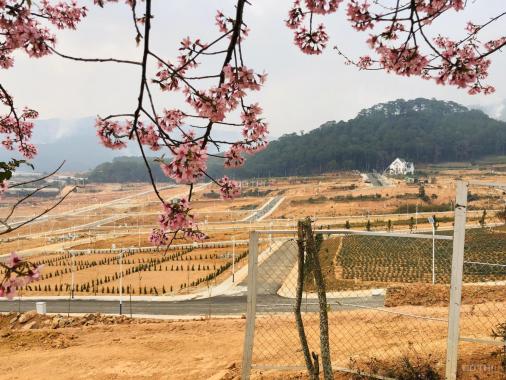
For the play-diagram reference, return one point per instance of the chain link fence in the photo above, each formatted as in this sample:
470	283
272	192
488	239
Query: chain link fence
400	305
373	282
482	350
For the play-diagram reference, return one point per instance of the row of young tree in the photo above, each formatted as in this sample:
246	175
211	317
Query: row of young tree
96	285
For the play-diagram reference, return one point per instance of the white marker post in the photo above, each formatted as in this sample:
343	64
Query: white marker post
433	223
233	259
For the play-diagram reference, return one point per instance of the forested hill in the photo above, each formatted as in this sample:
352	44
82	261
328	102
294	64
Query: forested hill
419	130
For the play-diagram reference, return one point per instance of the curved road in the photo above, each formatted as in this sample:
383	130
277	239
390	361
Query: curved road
266	208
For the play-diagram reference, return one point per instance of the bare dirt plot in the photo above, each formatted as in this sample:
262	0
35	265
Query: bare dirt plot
439	295
108	349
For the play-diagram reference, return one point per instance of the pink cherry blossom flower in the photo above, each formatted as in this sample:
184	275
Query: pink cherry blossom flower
171	120
311	42
111	133
13	260
188	164
233	158
229	189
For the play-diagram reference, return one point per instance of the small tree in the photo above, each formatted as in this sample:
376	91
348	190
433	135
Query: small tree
482	220
500	332
411	224
307	252
368	225
422	194
347	225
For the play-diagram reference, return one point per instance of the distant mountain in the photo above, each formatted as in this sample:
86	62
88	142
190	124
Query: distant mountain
72	140
126	169
419	130
76	142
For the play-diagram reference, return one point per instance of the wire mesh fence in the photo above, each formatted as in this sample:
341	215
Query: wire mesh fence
436	304
373	282
482	350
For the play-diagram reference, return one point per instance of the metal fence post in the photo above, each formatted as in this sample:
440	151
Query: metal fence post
456	281
251	305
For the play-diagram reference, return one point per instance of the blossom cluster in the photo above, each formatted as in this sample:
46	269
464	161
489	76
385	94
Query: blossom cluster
189	162
17	130
24	26
174	129
310	39
111	133
18	273
463	63
229	189
175	217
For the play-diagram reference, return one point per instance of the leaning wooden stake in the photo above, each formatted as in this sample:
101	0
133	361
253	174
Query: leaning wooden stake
322	299
312	371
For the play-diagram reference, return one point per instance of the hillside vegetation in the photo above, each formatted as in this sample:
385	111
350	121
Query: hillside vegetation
419	130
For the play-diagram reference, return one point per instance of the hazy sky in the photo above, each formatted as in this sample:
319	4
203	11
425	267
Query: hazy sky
302	91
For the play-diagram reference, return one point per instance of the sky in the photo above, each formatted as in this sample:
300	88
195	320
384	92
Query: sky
302	92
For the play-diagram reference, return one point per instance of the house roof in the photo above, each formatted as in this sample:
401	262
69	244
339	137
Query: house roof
402	160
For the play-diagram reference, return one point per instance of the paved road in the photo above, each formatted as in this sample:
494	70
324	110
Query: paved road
222	305
274	270
271	275
264	210
376	179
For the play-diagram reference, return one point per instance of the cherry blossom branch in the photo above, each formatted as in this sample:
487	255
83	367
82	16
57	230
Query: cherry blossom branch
40	178
93	60
461	63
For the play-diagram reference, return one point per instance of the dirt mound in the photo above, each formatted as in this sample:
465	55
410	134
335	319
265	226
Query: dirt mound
439	295
31	320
